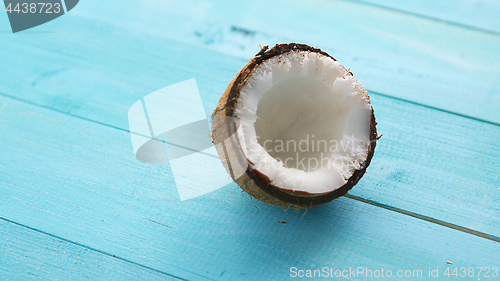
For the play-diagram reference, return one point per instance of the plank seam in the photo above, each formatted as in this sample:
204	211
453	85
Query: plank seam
370	91
101	123
426	218
97	250
452	23
434	108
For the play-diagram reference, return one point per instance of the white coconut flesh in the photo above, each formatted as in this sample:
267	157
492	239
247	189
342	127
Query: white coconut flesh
305	122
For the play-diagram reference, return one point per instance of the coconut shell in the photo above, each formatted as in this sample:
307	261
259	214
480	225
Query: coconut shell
252	181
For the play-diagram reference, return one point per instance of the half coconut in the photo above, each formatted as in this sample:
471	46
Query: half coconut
294	128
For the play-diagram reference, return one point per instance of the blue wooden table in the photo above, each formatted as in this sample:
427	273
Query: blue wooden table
76	204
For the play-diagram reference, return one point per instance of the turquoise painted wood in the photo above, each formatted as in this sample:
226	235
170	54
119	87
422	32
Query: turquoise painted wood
481	14
77	181
31	254
75	204
431	162
413	58
417	59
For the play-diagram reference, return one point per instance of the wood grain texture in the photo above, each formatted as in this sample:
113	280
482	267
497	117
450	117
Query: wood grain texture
79	181
480	14
424	61
414	58
435	164
29	254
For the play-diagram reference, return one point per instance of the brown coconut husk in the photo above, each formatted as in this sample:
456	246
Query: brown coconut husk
253	181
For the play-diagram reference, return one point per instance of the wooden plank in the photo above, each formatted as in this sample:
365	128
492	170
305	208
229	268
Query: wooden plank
79	180
30	254
481	14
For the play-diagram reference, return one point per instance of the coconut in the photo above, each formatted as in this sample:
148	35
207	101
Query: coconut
294	128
